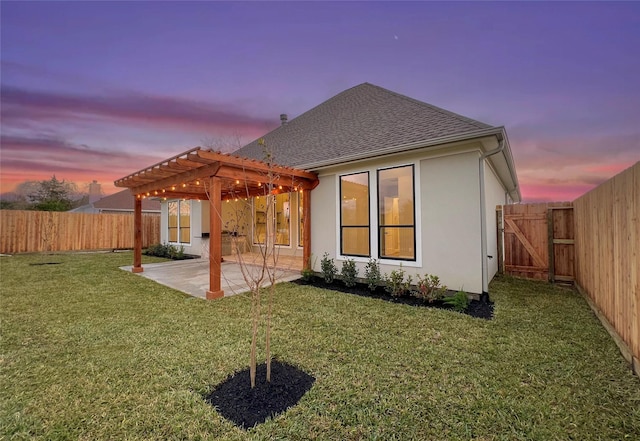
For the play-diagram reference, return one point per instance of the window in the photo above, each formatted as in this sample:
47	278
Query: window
179	221
281	214
396	213
354	215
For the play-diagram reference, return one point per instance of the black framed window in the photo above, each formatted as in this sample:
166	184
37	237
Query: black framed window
354	215
396	213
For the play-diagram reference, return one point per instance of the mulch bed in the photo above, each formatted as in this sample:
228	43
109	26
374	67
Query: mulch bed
245	407
477	308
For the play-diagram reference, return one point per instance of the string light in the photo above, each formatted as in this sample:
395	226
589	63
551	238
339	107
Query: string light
198	182
156	192
173	187
184	185
237	181
163	190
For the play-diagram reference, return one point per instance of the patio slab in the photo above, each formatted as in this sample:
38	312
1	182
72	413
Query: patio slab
192	276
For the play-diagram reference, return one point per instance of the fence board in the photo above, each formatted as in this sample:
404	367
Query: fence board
607	223
538	240
39	231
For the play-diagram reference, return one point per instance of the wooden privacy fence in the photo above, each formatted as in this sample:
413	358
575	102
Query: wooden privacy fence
537	240
607	225
37	231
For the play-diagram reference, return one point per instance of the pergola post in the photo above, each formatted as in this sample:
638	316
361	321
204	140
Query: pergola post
137	236
215	239
306	228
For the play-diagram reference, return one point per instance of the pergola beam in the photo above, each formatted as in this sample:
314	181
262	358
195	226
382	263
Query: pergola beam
178	179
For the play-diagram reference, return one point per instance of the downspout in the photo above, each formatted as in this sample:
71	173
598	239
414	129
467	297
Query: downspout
483	216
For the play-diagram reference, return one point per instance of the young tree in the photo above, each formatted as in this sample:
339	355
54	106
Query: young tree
263	268
52	195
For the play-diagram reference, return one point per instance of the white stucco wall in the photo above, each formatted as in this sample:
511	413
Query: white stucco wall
451	215
195	247
495	194
323	219
447	216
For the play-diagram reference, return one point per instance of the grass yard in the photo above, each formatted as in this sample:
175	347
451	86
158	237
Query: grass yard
91	352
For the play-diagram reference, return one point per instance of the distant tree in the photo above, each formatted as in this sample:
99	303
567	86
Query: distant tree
53	195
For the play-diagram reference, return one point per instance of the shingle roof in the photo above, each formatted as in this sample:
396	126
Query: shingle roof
364	120
123	200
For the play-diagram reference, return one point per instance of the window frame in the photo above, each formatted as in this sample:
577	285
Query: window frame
368	226
178	226
380	225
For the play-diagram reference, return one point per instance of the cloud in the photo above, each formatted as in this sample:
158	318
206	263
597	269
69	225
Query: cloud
38	158
22	107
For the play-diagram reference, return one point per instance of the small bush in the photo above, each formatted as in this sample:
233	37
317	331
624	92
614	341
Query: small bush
328	268
349	273
372	274
165	250
459	301
429	288
396	284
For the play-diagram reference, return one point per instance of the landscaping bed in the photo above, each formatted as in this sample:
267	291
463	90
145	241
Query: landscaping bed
245	407
476	308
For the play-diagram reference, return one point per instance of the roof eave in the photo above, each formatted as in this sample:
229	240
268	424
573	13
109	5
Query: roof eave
511	182
318	165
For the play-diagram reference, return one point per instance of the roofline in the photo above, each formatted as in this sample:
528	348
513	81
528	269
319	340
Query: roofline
403	148
491	131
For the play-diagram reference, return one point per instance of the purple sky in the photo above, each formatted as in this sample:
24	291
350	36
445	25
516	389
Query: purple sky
98	90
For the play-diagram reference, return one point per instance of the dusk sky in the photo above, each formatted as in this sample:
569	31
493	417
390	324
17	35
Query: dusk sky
98	90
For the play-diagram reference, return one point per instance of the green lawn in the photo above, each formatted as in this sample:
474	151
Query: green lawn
92	352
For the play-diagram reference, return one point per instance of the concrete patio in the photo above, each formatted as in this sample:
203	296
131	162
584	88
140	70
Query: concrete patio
192	276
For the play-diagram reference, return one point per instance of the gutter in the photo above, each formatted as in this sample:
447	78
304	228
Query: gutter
483	215
314	166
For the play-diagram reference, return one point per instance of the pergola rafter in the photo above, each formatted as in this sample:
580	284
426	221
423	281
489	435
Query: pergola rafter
215	176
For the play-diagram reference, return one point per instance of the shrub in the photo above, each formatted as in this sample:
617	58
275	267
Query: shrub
349	272
372	274
396	285
429	288
459	301
166	251
328	268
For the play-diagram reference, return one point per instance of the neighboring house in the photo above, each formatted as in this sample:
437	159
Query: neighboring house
118	203
400	181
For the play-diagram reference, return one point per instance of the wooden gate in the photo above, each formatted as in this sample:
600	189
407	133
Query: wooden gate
538	241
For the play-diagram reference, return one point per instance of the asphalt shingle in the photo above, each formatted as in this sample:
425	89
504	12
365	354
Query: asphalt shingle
364	120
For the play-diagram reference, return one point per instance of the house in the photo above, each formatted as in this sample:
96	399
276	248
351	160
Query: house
118	203
372	175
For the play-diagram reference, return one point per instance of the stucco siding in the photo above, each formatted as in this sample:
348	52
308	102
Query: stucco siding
447	204
495	194
451	243
323	220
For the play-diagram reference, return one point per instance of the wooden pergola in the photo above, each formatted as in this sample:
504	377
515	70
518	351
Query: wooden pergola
214	176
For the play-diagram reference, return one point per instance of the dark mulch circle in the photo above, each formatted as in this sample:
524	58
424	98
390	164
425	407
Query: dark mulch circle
245	407
477	308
